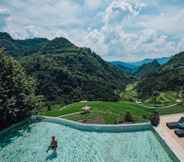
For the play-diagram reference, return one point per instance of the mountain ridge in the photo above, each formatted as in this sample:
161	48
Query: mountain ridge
65	72
132	67
148	69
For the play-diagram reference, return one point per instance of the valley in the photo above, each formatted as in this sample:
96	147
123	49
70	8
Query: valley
91	81
65	74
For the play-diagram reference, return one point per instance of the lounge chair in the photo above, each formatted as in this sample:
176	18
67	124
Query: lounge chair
173	125
180	125
179	132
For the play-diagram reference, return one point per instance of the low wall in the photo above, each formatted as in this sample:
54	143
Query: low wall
97	127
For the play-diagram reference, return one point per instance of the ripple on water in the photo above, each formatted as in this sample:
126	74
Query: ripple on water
30	143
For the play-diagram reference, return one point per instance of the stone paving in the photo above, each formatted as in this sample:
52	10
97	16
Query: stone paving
174	142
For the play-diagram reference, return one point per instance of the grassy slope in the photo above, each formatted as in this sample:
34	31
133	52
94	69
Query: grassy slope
129	94
110	112
164	99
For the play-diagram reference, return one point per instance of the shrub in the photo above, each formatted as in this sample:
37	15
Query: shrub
155	119
128	117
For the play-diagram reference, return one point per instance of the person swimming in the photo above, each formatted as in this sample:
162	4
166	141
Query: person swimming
53	144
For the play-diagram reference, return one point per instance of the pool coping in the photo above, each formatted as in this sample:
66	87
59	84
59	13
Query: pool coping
170	143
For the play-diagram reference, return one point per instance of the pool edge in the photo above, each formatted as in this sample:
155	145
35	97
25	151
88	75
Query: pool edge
97	127
169	145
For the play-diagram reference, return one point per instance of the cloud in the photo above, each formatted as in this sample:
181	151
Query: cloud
115	29
41	18
3	10
94	4
166	22
118	10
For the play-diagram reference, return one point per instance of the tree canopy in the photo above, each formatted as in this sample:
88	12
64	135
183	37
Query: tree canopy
17	92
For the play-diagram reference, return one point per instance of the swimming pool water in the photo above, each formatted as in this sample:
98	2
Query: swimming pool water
29	144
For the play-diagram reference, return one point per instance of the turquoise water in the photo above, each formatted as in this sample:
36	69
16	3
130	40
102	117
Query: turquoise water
29	144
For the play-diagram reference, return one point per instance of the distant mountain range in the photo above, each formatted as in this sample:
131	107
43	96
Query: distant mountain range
161	61
134	66
170	77
155	77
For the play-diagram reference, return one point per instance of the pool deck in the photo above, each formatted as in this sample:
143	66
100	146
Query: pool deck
173	141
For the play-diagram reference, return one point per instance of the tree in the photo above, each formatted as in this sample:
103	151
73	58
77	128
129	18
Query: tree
17	93
155	95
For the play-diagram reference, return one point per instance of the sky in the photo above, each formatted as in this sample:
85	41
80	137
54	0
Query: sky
123	30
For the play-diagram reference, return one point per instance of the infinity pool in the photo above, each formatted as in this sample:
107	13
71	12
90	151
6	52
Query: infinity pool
29	144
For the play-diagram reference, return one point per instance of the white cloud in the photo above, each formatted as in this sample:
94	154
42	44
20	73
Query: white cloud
130	58
96	40
3	10
115	29
123	7
180	46
171	22
41	19
93	4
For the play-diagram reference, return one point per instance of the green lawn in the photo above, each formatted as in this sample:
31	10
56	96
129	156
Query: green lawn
109	112
130	93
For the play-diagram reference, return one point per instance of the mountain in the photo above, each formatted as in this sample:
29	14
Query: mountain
65	72
161	61
126	67
148	69
132	67
175	63
21	47
170	77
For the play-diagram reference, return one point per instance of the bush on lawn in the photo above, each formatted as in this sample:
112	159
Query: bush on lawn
128	117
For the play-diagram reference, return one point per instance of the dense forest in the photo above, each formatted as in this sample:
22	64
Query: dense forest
170	77
147	69
64	72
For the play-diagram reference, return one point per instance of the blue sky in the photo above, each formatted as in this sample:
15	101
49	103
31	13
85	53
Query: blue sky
126	30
